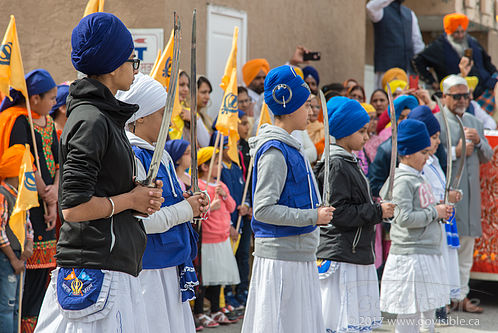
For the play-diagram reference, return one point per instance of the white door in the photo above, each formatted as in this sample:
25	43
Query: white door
220	24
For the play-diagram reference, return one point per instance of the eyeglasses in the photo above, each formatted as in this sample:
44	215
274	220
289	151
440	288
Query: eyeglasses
459	96
136	63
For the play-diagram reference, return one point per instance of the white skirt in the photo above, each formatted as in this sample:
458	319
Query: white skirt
414	283
124	310
284	297
450	257
350	297
219	266
165	310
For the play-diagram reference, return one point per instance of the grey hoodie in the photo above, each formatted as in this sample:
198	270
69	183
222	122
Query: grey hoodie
272	173
415	228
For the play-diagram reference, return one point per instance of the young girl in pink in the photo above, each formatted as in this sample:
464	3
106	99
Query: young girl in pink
218	263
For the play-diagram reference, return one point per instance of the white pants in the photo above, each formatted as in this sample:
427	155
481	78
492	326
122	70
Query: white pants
465	260
408	323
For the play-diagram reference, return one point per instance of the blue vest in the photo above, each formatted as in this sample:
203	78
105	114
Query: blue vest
234	180
178	245
393	39
296	192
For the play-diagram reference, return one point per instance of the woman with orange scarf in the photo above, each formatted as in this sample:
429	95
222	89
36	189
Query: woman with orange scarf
15	129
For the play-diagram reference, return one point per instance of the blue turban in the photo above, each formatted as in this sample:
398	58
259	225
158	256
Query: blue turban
38	81
213	139
62	92
348	118
285	91
334	103
424	114
403	102
176	149
309	70
412	137
101	43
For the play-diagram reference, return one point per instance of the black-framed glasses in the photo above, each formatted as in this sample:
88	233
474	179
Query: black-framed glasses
457	97
135	62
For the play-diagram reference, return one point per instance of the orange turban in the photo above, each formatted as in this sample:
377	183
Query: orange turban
453	21
11	160
252	68
394	74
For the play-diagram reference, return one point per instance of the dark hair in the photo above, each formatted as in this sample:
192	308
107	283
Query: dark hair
333	87
203	79
183	73
356	87
331	93
241	89
376	91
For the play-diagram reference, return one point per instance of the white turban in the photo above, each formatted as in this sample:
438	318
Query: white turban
149	94
453	80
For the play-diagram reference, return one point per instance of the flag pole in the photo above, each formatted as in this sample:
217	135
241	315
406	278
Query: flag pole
220	157
211	163
19	311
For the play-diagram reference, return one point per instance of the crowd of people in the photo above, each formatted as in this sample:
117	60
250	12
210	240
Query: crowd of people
105	253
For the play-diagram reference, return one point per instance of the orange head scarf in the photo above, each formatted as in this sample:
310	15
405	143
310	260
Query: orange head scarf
453	21
10	162
252	68
394	73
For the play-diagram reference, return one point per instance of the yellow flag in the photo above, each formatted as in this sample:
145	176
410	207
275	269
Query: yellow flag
228	117
162	71
177	124
231	62
94	6
11	68
27	197
264	117
156	62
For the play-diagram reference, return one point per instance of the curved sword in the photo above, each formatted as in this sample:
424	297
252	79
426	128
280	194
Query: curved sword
449	160
326	152
394	150
193	107
168	110
463	156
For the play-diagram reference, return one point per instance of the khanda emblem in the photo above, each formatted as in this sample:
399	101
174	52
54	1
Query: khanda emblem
229	104
29	181
77	281
5	53
167	68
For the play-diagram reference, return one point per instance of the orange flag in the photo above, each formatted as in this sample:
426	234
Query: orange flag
264	117
162	70
94	6
156	62
231	62
11	67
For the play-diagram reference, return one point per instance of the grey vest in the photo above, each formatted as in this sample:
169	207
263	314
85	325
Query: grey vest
393	39
11	201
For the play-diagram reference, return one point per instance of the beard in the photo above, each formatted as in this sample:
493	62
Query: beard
460	110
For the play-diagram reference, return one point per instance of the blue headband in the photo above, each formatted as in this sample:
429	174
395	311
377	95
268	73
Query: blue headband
176	149
412	137
403	102
309	70
62	93
347	119
285	91
38	81
101	43
424	114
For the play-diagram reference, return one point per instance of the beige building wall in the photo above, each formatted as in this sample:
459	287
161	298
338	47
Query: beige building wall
333	27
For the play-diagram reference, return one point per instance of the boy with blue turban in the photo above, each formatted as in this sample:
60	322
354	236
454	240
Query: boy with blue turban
99	254
415	281
346	255
286	212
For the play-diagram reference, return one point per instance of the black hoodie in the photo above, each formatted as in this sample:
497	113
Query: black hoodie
97	160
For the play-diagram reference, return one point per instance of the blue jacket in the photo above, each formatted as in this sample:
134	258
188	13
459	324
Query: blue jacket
295	193
233	179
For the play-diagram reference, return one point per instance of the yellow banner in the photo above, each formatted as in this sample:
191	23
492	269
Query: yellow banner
264	117
11	68
27	197
231	62
162	70
94	6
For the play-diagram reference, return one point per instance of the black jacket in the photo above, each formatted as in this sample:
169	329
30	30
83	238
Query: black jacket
350	236
97	160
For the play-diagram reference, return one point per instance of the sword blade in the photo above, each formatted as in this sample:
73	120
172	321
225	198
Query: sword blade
193	106
449	160
326	152
394	150
456	181
163	133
